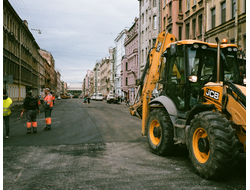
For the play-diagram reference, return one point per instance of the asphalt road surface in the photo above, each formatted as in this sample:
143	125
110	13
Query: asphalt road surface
97	146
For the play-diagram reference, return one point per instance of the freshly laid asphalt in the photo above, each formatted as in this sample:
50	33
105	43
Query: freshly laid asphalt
97	146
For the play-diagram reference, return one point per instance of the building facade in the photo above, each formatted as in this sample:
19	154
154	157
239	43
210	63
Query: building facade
149	27
58	84
129	66
21	60
226	19
111	71
120	52
104	69
206	19
50	73
25	67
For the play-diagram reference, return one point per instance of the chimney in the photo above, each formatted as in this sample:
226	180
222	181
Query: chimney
26	23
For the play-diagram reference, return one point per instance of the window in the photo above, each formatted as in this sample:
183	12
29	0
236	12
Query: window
223	12
194	2
126	81
154	42
180	33
126	66
154	3
194	28
233	8
142	56
180	6
176	81
154	22
170	30
213	18
142	18
187	31
188	5
164	23
200	24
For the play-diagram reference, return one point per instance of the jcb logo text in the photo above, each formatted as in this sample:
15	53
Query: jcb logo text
213	94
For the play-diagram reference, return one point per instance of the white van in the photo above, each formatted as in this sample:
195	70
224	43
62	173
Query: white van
99	97
93	97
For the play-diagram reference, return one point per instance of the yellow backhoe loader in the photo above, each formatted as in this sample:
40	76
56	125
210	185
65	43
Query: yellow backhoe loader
201	102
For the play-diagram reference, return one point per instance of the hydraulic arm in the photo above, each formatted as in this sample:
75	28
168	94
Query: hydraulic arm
149	78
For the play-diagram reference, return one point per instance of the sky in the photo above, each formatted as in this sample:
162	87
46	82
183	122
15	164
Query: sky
76	32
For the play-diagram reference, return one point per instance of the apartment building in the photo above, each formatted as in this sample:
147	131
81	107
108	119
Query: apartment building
86	83
91	83
206	19
97	83
111	71
149	27
58	84
26	66
226	19
104	69
120	52
129	65
50	73
21	60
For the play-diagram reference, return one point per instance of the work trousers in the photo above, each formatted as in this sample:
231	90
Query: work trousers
48	112
31	119
7	124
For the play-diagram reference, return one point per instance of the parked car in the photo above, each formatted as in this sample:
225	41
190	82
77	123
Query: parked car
111	98
93	97
99	97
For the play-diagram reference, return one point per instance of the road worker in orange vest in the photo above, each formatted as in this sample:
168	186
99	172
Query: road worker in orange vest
48	106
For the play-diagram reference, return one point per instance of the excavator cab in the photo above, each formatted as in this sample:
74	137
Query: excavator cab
190	65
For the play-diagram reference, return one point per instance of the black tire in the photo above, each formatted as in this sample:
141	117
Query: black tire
160	132
212	144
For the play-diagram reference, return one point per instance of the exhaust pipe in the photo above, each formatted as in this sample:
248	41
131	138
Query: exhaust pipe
218	60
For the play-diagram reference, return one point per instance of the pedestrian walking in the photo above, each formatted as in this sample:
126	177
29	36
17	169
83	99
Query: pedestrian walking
48	107
88	98
6	112
85	99
127	103
30	106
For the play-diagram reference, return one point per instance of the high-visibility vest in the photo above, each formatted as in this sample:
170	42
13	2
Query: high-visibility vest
6	106
49	100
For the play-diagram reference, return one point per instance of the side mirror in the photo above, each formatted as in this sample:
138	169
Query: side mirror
193	78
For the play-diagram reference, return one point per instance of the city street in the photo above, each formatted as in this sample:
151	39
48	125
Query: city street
97	146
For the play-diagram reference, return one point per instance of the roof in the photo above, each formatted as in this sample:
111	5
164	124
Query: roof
212	45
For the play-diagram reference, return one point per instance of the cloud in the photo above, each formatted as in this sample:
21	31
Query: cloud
76	32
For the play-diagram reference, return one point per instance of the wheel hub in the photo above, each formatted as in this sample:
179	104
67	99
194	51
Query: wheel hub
157	132
203	145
